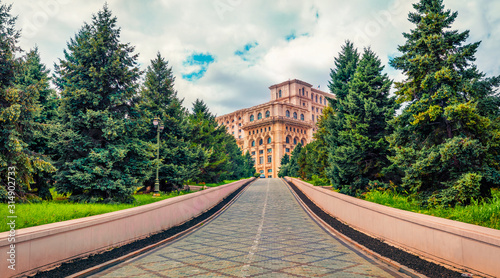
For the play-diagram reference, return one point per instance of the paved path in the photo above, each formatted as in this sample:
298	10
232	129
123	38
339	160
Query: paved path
265	233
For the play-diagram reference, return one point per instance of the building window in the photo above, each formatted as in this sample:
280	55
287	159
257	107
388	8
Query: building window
301	117
253	131
295	141
286	128
262	171
279	93
253	143
239	119
288	140
239	130
259	116
239	137
252	118
313	117
287	150
269	158
268	114
269	140
295	115
261	142
312	96
270	170
261	152
269	150
253	153
321	100
269	128
261	160
239	124
316	98
288	113
303	142
269	177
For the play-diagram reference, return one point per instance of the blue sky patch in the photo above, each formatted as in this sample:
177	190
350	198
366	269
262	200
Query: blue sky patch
293	35
198	63
243	53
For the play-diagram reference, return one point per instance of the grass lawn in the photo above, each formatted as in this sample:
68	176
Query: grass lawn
29	215
220	183
485	214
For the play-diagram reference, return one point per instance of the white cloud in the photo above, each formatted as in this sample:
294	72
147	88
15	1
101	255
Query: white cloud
179	28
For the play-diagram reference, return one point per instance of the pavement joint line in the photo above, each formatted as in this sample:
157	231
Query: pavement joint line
244	269
98	268
368	252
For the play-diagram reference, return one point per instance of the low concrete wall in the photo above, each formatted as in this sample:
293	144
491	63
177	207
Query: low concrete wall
454	243
50	244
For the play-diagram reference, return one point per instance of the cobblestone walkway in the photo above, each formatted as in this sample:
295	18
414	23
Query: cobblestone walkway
265	233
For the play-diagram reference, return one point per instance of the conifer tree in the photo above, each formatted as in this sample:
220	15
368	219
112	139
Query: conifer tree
19	107
100	158
249	166
333	122
180	158
283	171
445	146
213	139
362	153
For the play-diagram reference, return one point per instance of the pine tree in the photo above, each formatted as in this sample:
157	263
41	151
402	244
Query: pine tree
33	75
363	150
333	122
293	165
283	171
180	158
445	146
19	108
101	158
249	165
213	139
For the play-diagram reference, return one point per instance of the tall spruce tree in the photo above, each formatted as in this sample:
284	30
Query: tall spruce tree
333	122
363	150
445	146
213	139
180	158
19	107
101	158
283	171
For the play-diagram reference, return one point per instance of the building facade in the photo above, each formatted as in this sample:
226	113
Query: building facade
270	130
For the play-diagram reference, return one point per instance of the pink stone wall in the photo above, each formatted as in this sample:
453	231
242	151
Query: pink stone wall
42	246
450	242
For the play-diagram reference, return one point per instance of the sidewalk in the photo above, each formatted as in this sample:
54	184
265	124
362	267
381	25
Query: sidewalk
265	233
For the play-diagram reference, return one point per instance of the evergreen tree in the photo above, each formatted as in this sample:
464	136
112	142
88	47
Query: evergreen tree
285	161
363	150
249	166
293	165
445	146
100	158
19	108
180	158
213	139
33	75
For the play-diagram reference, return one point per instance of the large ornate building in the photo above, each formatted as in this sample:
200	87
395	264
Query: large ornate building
271	130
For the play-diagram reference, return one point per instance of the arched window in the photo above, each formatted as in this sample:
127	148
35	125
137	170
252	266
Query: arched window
288	113
316	98
303	142
253	143
295	115
312	96
269	140
321	100
252	118
288	140
303	91
295	141
259	116
301	117
279	93
261	142
268	114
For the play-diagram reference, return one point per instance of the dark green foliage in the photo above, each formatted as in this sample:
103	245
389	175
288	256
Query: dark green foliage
362	151
180	158
283	171
225	158
19	108
445	147
291	169
311	160
100	156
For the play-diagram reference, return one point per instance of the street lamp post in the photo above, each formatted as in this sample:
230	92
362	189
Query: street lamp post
157	122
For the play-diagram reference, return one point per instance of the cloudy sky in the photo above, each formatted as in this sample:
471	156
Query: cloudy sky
228	52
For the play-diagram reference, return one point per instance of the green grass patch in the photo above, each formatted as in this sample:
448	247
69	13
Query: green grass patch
35	214
485	213
220	183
